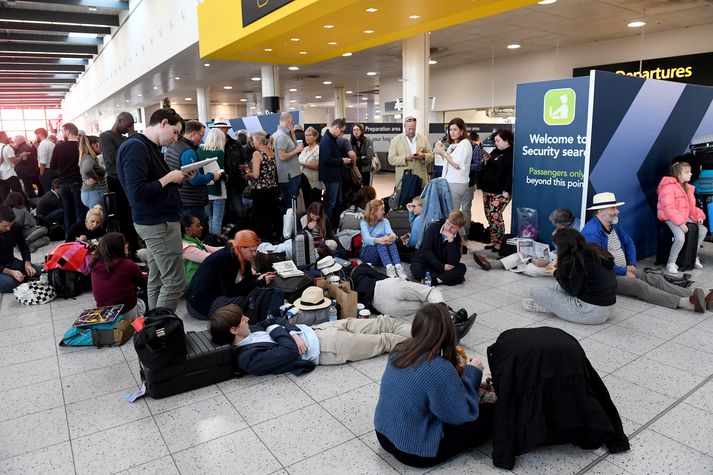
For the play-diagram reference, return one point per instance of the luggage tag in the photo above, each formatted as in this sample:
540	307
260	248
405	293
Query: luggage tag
131	397
138	323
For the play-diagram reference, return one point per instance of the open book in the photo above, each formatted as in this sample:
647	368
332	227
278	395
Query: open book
287	269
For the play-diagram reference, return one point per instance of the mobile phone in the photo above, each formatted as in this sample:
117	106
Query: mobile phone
299	142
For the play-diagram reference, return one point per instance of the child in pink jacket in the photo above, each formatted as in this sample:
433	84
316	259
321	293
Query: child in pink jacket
676	207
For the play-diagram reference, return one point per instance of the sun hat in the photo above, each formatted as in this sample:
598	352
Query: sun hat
312	299
604	200
220	124
328	265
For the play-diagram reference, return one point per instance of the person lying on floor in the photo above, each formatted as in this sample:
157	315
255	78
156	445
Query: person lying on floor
440	252
275	346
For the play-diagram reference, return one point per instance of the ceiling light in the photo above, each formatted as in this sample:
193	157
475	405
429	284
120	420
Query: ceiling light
329	27
116	105
432	61
292	101
332	43
188	99
177	78
303	52
227	87
207	65
92	9
292	89
155	87
225	103
138	95
346	54
267	50
636	24
82	35
317	97
513	46
126	100
312	105
292	108
294	39
372	10
364	98
371	73
255	78
294	68
349	92
243	100
414	17
368	31
546	2
350	106
326	82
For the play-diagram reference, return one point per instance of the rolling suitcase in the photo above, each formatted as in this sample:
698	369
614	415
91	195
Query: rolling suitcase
398	219
205	364
302	245
687	256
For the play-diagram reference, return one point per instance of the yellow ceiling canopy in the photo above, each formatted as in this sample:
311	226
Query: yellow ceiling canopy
310	31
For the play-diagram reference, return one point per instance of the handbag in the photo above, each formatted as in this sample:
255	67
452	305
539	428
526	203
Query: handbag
264	260
34	293
345	297
355	175
375	163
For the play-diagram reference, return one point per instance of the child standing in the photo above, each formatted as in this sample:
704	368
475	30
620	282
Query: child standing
379	240
676	207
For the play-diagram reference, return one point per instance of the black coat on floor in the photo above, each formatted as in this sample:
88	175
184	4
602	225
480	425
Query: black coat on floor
548	393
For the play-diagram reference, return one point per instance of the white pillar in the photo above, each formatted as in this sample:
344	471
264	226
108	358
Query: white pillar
203	102
415	56
270	77
339	110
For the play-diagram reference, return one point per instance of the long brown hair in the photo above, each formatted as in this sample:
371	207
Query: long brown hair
85	147
317	209
111	250
432	334
677	170
570	251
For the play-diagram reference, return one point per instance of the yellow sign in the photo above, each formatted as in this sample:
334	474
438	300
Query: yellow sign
661	73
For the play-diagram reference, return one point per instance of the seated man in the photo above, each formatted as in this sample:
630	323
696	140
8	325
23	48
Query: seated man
50	205
13	271
603	229
440	252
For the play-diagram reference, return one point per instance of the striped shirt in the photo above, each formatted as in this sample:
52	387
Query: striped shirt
615	249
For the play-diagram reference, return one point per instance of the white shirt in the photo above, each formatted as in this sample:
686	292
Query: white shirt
44	152
461	153
411	143
7	169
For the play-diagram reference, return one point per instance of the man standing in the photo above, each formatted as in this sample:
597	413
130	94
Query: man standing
8	178
109	143
27	169
603	229
236	154
45	147
289	175
410	151
331	161
65	160
194	193
152	190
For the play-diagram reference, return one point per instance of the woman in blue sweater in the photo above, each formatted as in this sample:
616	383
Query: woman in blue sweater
379	241
428	412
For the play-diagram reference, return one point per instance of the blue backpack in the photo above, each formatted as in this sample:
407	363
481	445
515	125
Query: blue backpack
114	333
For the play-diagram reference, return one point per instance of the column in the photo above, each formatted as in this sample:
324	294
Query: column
270	76
203	102
339	110
415	54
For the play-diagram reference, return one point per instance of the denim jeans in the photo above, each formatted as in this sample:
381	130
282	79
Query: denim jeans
289	190
93	198
7	283
215	209
165	256
332	199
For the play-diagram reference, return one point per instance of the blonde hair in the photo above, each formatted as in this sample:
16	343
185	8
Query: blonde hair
417	200
311	131
370	211
85	147
261	137
215	140
96	210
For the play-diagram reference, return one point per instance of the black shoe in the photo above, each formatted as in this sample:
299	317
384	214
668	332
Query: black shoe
463	328
461	316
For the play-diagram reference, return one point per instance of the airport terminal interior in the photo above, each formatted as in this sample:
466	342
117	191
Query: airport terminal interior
64	409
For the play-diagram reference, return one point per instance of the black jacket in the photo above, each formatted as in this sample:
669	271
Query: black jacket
495	175
273	358
594	283
548	393
235	155
365	278
434	251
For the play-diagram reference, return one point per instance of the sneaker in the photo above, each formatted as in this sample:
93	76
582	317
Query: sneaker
672	268
698	264
390	271
698	299
401	272
530	305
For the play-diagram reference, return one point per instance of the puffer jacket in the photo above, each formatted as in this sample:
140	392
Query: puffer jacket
674	204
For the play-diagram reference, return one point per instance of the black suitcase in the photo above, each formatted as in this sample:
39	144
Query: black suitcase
205	364
292	287
112	217
398	219
687	256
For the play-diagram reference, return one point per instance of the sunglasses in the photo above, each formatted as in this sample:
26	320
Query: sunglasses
410	119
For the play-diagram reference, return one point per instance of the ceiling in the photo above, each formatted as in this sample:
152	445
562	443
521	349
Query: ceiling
45	46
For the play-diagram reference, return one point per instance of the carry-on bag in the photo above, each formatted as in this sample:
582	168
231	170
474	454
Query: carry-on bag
687	256
302	245
162	341
398	219
292	287
205	363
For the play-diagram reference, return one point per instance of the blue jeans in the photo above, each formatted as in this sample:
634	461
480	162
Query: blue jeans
289	190
332	200
215	209
7	283
93	198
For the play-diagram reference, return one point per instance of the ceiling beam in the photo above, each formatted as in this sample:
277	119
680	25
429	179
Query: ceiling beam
36	81
22	26
30	58
113	4
48	48
36	74
54	39
45	16
54	68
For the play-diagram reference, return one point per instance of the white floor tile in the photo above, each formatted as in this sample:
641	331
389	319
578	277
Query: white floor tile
24	352
238	453
312	430
688	425
560	459
356	409
657	327
32	432
688	359
352	457
605	358
103	412
162	466
328	381
243	382
501	320
270	399
478	334
606	468
26	400
373	443
31	372
34	316
89	358
496	297
119	448
635	402
157	406
702	398
658	377
98	382
56	459
696	338
205	420
468	462
627	340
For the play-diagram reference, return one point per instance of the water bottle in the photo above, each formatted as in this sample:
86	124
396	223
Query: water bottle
427	279
333	312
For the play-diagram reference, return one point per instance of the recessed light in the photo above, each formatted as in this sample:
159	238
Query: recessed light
312	105
414	17
303	52
252	107
267	50
292	89
92	9
364	98
327	82
227	87
188	99
346	54
294	39
138	95
317	97
225	103
207	65
177	78
255	78
372	10
513	46
292	101
329	27
546	2
350	106
126	100
155	87
432	61
376	103
294	68
371	73
636	24
348	92
116	105
332	43
243	100
368	31
292	108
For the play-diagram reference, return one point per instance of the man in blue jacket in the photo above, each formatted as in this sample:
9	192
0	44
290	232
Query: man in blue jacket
603	229
152	190
332	158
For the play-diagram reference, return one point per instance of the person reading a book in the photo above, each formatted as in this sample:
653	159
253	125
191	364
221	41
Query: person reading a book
115	277
194	251
225	276
440	252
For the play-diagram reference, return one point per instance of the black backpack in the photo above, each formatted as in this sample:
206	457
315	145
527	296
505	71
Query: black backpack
66	283
262	303
162	340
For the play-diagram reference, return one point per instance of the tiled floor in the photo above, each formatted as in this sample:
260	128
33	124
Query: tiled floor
62	410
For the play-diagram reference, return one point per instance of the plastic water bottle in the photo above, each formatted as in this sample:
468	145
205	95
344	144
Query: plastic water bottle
333	312
427	279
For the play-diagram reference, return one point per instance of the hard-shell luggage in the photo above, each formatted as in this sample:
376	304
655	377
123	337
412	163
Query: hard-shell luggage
398	219
205	364
702	149
687	256
112	216
292	287
302	245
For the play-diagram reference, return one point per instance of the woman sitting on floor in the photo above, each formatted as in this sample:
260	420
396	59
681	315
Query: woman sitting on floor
317	223
90	230
226	275
379	241
428	408
194	251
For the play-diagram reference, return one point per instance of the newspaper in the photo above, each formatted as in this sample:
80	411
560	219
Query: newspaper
531	249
